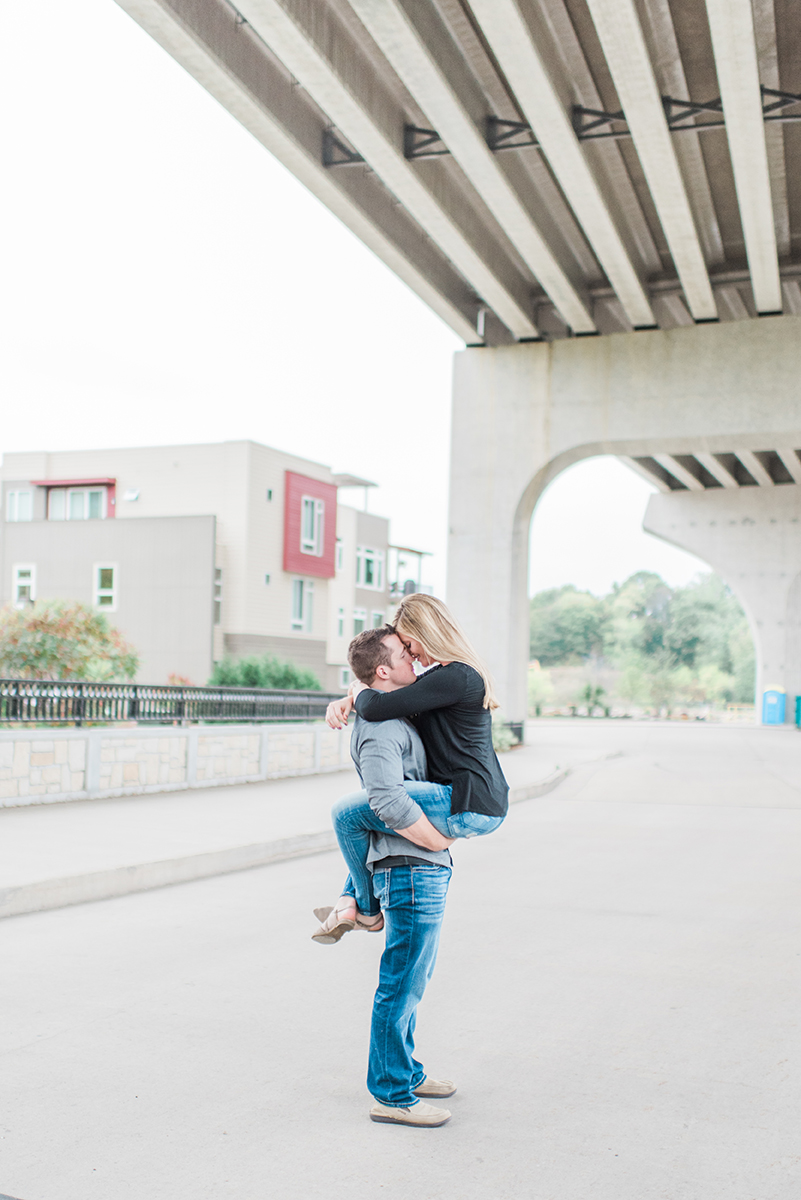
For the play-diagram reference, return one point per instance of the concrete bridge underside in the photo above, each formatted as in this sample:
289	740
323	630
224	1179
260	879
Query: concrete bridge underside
524	413
603	199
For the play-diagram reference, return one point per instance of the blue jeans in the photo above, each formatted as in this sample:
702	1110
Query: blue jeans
413	903
354	820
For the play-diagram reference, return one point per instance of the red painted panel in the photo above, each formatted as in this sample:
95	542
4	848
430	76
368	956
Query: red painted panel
321	566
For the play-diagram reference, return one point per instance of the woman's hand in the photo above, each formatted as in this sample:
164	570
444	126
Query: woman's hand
336	715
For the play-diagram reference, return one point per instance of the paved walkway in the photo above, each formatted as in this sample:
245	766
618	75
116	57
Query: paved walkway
617	996
57	854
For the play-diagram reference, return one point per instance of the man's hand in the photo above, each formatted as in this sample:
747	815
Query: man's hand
423	833
336	715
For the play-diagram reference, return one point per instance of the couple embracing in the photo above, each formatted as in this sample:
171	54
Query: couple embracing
422	745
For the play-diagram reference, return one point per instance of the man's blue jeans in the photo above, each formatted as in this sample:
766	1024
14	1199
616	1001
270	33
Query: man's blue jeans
413	902
354	820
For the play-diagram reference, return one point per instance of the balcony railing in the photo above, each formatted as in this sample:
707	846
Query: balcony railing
52	702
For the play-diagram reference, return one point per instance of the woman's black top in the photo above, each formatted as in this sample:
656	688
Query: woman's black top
446	707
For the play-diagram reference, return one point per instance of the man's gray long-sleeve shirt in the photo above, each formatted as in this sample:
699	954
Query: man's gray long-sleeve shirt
386	753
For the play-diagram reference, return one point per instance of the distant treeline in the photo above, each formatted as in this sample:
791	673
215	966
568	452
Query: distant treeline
664	645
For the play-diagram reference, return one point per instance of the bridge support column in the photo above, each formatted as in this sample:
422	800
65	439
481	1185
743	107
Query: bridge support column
523	413
500	411
752	538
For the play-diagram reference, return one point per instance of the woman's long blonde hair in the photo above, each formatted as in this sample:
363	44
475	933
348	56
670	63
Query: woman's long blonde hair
430	623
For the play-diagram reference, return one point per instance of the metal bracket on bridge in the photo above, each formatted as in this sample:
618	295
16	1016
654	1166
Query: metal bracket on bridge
509	135
422	143
588	124
336	153
681	114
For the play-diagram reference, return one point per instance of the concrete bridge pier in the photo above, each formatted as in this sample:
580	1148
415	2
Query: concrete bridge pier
752	538
711	413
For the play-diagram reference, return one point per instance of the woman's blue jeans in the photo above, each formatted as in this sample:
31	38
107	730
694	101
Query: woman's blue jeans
413	901
354	820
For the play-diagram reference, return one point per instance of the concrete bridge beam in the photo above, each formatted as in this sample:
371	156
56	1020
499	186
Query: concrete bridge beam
523	413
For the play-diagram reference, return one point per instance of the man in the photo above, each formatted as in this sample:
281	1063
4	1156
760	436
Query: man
411	870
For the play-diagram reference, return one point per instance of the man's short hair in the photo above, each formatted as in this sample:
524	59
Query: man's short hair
368	651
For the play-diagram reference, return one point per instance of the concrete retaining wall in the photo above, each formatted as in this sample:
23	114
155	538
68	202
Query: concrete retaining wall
42	766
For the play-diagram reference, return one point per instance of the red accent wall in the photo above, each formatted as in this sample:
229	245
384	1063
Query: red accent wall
295	561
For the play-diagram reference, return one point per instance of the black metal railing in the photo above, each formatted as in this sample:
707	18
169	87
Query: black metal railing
57	702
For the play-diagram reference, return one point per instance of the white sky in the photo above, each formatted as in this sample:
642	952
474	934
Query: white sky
166	280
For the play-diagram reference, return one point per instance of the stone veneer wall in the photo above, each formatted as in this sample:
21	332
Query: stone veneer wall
41	766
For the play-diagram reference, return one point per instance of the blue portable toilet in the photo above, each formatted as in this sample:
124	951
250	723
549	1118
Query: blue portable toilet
773	707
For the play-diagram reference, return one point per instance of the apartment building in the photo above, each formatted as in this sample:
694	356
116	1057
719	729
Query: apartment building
197	552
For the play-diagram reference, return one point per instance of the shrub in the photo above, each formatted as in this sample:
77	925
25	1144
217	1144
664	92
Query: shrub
502	736
60	639
263	672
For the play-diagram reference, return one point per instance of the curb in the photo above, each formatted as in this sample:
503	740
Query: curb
143	877
539	789
47	894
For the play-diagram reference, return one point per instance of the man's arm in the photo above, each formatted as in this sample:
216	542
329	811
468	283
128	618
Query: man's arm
423	833
380	754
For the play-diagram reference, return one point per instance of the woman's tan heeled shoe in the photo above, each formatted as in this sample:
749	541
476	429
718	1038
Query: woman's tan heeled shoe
333	927
375	924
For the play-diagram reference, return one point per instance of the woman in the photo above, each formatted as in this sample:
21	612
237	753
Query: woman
451	708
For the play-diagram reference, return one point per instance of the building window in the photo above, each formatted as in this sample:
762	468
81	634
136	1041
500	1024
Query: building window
311	525
218	595
23	584
345	678
105	586
302	604
340	554
76	504
19	505
341	623
369	568
359	620
379	619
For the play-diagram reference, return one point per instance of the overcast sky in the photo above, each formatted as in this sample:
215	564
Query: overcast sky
166	280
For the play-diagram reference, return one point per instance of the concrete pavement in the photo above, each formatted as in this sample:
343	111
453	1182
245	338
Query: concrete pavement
617	997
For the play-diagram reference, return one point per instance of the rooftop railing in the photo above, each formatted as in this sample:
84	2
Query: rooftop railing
56	702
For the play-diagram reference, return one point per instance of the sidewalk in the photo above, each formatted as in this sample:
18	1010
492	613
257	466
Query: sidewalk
68	853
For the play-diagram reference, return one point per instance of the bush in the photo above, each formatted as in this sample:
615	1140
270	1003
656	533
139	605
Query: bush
263	672
502	736
59	639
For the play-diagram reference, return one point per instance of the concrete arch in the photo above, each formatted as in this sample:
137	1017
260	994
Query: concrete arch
522	414
752	538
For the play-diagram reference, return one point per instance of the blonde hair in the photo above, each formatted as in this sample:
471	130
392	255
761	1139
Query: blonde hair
430	623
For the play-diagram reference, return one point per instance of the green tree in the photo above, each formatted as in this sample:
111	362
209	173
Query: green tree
689	644
263	672
638	615
566	625
58	639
